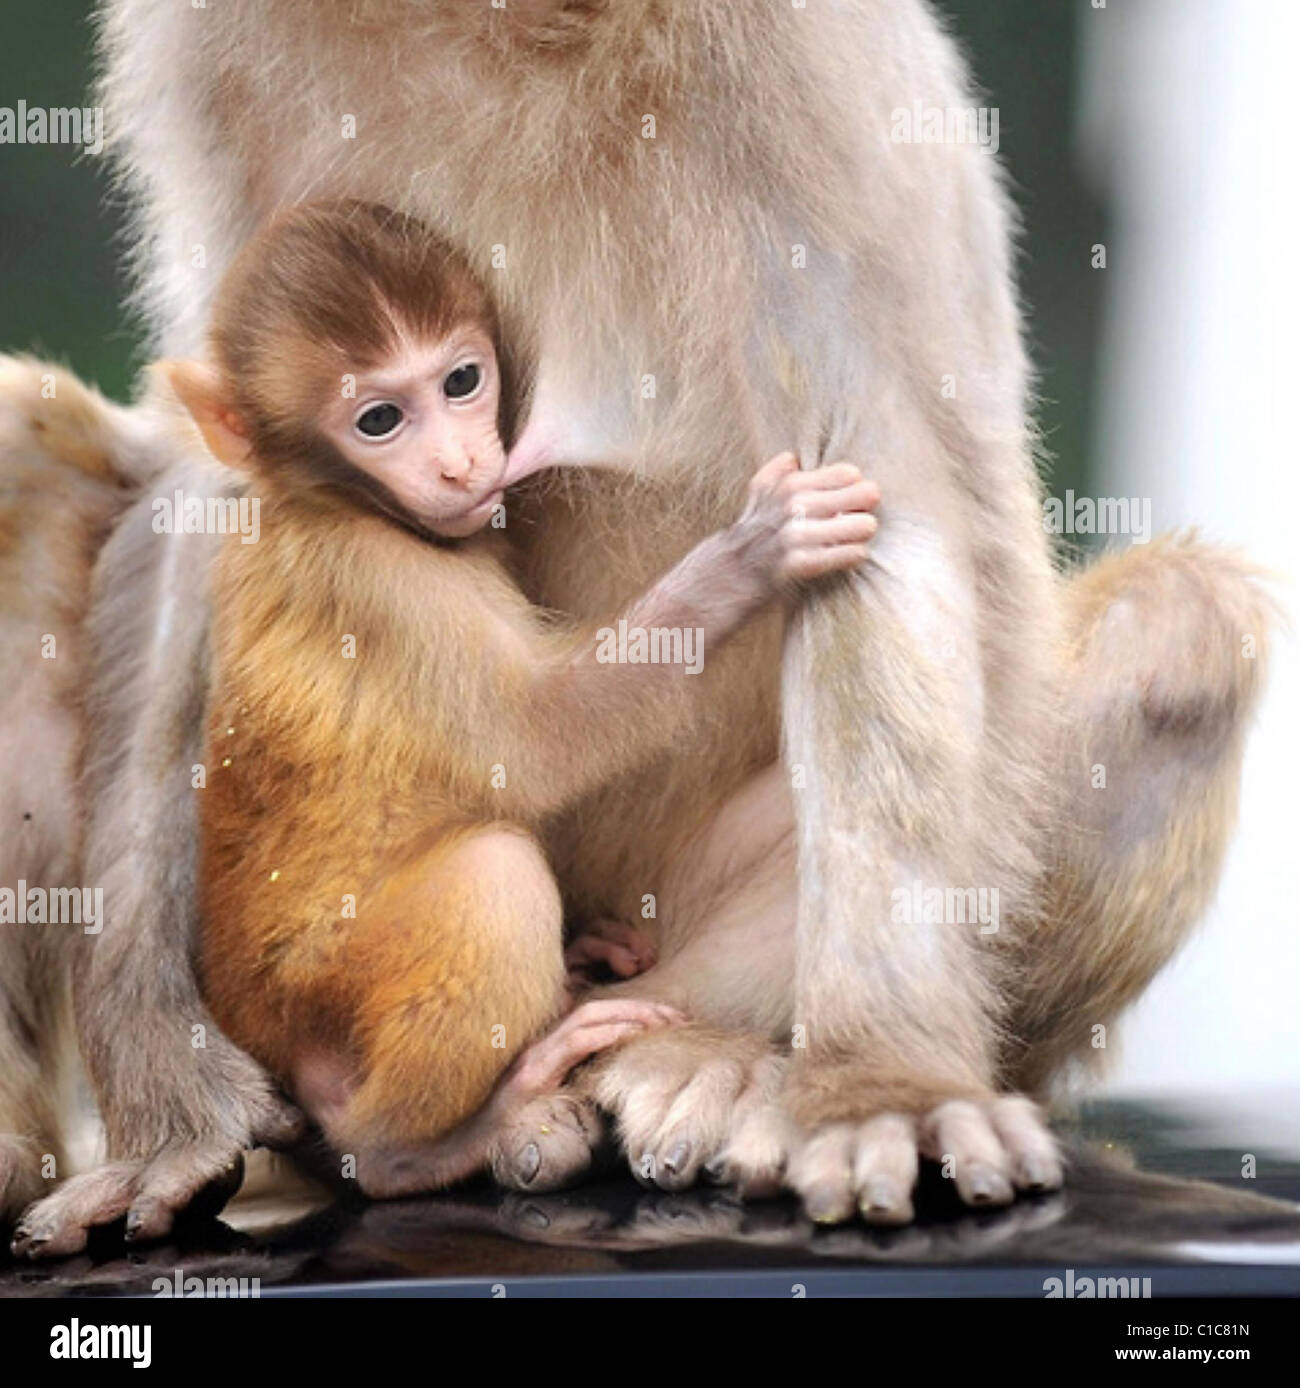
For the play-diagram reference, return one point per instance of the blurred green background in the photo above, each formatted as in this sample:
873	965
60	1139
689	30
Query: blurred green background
62	290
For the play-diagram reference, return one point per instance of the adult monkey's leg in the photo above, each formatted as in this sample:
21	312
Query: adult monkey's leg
68	443
909	751
70	463
1162	666
179	1103
178	1114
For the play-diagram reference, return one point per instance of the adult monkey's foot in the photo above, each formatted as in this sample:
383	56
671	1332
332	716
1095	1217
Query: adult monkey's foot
859	1144
684	1103
690	1103
673	1095
151	1193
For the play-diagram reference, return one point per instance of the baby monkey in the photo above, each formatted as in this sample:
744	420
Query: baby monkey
392	721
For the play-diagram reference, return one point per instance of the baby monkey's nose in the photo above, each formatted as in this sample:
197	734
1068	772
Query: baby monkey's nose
454	466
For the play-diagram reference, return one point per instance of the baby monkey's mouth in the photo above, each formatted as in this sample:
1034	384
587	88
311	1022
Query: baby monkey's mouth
466	520
488	501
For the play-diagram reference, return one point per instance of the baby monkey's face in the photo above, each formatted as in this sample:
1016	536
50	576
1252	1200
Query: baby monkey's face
424	423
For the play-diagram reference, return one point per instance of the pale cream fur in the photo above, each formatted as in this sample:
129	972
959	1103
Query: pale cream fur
674	258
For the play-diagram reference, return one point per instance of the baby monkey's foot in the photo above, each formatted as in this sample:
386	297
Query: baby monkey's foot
523	1109
606	949
549	1144
544	1139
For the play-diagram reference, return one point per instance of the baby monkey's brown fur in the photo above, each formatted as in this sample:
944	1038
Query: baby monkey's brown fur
392	721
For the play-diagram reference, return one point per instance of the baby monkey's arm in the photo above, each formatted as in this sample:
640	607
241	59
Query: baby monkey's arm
796	526
601	700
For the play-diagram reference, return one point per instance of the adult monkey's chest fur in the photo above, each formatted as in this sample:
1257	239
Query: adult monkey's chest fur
630	240
628	229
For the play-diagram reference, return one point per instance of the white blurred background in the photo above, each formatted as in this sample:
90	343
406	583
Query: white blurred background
1190	120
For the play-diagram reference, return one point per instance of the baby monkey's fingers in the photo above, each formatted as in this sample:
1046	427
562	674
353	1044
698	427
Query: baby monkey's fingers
589	1028
830	525
851	528
768	477
818	503
799	525
803	565
829	477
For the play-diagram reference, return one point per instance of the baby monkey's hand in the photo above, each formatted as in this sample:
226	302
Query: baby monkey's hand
800	525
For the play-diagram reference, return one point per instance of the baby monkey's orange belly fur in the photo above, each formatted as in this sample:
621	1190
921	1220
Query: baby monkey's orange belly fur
353	903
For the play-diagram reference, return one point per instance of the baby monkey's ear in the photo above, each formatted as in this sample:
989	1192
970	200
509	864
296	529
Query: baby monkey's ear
203	393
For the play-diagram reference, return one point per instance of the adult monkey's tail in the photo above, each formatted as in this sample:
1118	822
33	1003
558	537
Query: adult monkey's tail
1165	662
50	419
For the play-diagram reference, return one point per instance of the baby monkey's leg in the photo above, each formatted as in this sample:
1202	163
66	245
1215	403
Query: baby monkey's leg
451	972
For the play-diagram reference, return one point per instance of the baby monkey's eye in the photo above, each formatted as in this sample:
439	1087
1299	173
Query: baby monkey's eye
463	382
379	420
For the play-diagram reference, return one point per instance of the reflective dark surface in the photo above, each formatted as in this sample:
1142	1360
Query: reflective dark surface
1156	1190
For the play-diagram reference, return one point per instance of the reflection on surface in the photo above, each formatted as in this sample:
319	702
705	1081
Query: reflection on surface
1111	1214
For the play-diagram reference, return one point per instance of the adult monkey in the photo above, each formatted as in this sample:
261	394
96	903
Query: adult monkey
696	215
